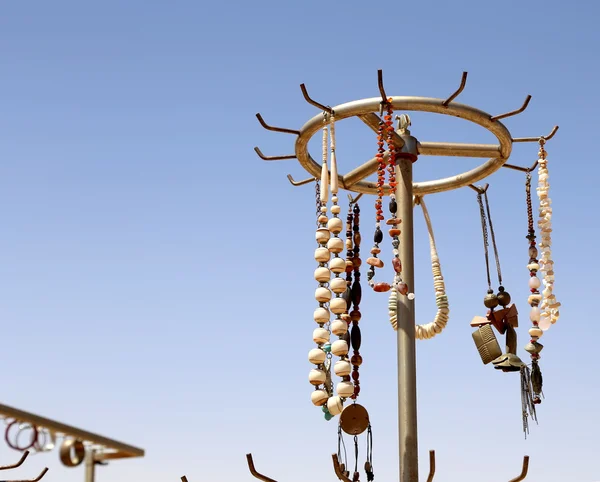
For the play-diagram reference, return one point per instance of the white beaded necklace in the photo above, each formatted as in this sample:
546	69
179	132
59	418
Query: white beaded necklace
428	330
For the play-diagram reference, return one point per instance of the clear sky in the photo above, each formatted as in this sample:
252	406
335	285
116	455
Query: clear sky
156	275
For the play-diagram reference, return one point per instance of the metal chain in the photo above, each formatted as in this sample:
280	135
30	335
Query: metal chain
530	228
318	199
485	239
487	206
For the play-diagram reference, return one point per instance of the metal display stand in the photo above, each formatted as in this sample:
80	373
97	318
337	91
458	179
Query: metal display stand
409	149
79	446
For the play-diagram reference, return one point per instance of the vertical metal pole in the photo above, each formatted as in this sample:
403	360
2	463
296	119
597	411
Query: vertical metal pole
90	465
407	376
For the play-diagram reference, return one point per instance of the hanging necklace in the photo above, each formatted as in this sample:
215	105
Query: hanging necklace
505	319
435	327
549	306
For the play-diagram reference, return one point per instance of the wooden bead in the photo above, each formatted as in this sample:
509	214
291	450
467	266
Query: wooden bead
337	265
339	327
337	305
322	294
345	389
317	376
322	274
319	397
335	225
321	315
320	336
323	219
340	347
335	245
322	235
335	209
338	285
375	262
322	255
316	356
342	368
335	405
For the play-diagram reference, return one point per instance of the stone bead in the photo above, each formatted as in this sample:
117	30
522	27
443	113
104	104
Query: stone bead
533	253
322	294
342	368
356	360
335	209
319	397
335	245
534	282
338	305
345	389
394	232
545	322
338	285
322	255
537	332
316	356
337	265
402	288
321	315
340	347
534	314
533	267
381	287
322	235
393	221
335	225
339	327
375	250
397	264
327	347
317	376
320	336
378	236
335	405
322	274
372	261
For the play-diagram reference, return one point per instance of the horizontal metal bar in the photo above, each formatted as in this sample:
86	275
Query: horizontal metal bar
123	450
362	171
458	149
372	120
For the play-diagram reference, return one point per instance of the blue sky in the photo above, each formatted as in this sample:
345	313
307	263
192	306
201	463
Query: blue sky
156	275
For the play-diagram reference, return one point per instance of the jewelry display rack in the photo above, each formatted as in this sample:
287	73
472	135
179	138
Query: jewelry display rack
355	181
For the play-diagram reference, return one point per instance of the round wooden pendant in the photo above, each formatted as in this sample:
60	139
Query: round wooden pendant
354	420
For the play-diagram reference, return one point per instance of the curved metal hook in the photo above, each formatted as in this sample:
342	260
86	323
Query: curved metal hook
39	477
276	129
273	158
253	471
300	183
381	88
523	471
513	112
431	463
479	190
537	139
463	82
354	200
314	102
338	469
18	464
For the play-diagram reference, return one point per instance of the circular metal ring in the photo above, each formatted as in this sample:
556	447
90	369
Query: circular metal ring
72	452
15	446
421	104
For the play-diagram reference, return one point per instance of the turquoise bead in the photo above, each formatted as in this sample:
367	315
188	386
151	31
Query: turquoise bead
324	408
327	347
328	416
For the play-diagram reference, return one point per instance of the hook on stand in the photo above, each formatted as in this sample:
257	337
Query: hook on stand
300	183
431	463
523	471
253	471
354	200
479	190
512	112
463	82
276	129
273	158
308	99
384	98
18	464
537	139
